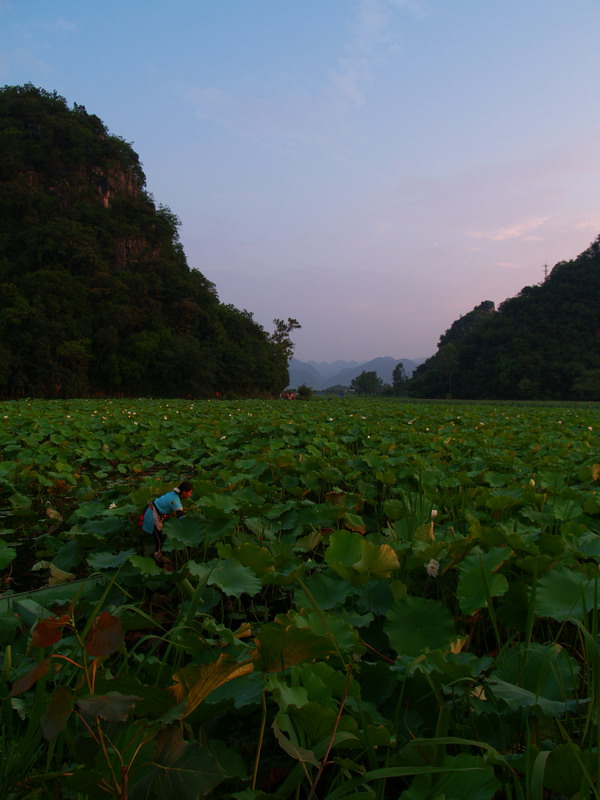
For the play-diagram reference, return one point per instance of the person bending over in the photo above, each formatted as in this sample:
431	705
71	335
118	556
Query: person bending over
162	507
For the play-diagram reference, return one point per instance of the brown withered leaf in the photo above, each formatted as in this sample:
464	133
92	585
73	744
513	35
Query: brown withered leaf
49	631
106	636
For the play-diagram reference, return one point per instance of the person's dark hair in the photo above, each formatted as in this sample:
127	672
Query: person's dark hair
185	486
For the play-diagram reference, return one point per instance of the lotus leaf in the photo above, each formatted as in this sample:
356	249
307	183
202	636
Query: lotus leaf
145	564
229	575
563	595
516	698
377	561
109	560
195	682
324	589
313	726
344	550
112	706
417	625
545	669
178	769
56	715
9	625
479	581
293	750
106	635
466	776
7	554
282	644
566	767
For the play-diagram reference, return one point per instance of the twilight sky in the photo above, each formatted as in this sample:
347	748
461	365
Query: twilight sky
373	168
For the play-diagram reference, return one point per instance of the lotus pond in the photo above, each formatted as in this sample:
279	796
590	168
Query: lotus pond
370	599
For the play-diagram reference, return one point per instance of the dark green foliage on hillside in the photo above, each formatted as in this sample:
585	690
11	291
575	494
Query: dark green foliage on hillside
96	294
542	344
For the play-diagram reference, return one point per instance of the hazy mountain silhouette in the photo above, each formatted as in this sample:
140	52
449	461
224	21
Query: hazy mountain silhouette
321	375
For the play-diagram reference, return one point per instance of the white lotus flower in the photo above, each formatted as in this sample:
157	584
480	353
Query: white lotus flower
433	567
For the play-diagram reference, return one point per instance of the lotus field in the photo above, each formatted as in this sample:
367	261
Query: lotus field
369	599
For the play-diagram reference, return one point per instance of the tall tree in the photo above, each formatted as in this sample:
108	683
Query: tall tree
399	379
281	336
368	382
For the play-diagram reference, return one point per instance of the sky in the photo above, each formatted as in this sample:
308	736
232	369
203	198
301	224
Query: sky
372	168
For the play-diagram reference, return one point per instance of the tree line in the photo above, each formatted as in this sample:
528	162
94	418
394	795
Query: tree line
542	344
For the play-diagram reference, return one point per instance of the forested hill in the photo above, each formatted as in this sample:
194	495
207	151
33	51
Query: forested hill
542	344
96	292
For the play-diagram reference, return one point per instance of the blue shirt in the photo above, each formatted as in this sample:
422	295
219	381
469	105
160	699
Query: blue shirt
165	504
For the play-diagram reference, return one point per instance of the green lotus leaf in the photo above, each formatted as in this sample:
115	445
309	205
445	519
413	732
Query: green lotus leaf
9	626
479	582
565	508
284	694
354	522
416	625
258	559
516	697
145	564
323	589
476	587
513	607
260	527
323	683
313	724
293	750
329	624
218	504
566	769
592	505
104	527
564	594
7	554
545	669
243	691
377	560
229	575
453	669
187	531
179	769
490	560
98	561
344	548
19	501
587	544
281	644
475	780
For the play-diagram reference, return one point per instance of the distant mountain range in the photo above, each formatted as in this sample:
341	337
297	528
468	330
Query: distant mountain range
322	375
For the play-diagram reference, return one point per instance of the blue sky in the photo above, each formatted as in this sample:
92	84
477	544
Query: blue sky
373	168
